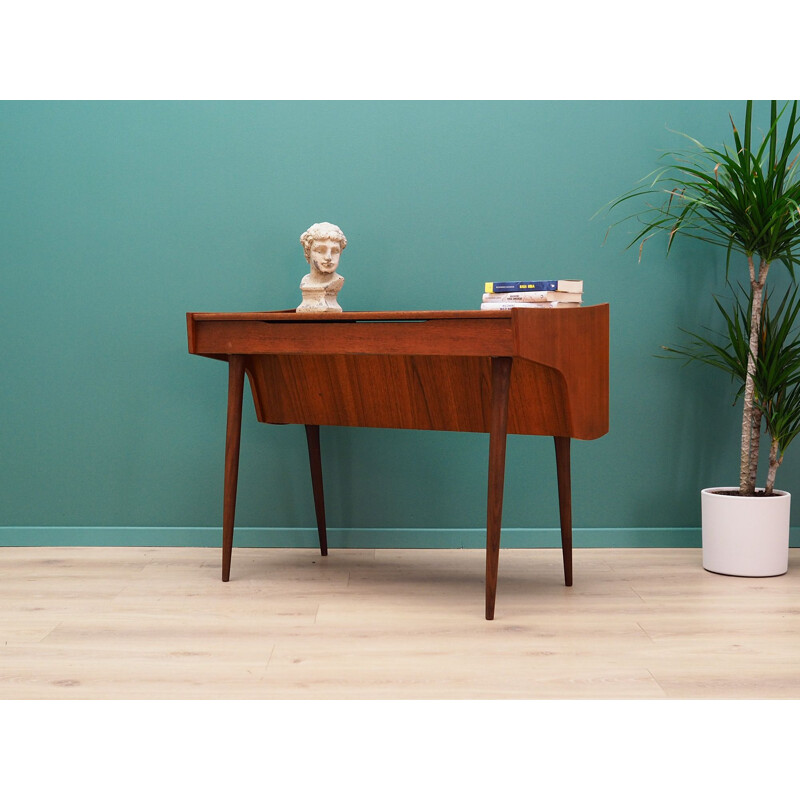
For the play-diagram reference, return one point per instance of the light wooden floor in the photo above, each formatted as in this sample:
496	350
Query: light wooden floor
145	623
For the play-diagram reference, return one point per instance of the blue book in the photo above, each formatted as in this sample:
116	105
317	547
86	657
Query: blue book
534	286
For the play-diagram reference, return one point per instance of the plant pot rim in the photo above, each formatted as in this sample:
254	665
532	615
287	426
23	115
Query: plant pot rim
721	491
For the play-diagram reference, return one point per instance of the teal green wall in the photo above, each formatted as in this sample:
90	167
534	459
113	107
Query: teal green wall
119	217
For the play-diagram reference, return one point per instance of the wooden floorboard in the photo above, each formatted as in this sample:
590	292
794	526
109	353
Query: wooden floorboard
153	623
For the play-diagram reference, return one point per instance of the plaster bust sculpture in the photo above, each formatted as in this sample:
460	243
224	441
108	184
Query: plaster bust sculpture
322	245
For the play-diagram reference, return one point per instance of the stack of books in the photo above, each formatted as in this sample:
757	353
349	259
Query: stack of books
532	294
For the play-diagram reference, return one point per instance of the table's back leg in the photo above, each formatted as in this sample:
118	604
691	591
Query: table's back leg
315	459
501	374
232	440
565	503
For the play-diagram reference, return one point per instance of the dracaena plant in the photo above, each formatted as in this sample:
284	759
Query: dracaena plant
744	198
776	380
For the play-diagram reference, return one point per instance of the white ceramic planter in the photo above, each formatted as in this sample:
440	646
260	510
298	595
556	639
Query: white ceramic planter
746	536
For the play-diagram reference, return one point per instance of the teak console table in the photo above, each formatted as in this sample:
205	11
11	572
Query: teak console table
541	372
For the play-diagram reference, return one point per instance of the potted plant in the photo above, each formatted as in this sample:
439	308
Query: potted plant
746	200
754	551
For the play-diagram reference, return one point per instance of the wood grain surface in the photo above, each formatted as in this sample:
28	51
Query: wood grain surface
390	624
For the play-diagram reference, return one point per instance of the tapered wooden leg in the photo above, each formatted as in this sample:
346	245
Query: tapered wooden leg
565	503
501	374
232	440
315	459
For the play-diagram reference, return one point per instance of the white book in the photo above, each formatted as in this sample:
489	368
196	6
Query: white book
532	297
503	306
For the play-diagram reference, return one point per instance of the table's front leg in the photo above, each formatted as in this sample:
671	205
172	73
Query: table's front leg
232	439
501	375
565	503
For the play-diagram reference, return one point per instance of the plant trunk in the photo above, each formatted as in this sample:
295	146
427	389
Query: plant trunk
755	444
774	462
748	464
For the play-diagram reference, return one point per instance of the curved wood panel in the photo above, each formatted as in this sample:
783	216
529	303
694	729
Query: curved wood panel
422	393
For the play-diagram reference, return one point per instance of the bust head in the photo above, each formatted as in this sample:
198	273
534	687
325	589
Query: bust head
322	245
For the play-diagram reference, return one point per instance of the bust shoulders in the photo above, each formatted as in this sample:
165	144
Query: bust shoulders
321	282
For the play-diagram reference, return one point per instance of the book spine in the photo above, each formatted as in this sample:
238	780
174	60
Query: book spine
516	297
506	306
521	286
532	297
